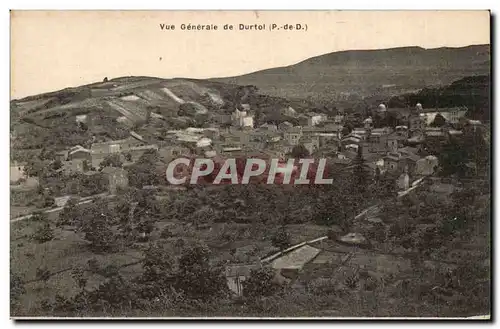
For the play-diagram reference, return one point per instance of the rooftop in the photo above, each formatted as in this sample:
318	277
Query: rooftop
240	269
294	130
445	109
297	258
111	170
435	133
145	147
396	136
412	156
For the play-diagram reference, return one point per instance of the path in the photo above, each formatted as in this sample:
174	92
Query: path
84	200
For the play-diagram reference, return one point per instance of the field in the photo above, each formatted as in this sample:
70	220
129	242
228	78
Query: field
391	277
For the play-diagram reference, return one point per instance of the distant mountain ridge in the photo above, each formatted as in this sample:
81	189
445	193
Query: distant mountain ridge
360	73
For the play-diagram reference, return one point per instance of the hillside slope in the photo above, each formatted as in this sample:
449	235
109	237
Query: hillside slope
113	108
358	73
472	92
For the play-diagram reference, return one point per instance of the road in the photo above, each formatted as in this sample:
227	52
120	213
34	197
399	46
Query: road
84	200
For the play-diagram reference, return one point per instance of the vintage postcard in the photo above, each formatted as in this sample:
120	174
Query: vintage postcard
250	164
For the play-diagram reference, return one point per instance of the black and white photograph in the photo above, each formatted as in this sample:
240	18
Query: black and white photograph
250	164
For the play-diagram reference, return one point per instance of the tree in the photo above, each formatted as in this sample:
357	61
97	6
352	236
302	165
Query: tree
392	120
128	156
260	283
48	201
361	175
47	154
159	268
39	216
43	274
69	213
16	289
96	224
438	121
143	172
197	278
478	150
348	127
99	234
281	239
78	274
57	164
187	109
43	233
112	160
299	152
34	168
453	159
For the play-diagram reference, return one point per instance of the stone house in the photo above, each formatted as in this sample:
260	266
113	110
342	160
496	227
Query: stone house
395	141
268	127
311	143
314	119
452	115
137	151
78	152
403	182
293	135
339	118
328	138
350	140
117	178
360	132
436	134
393	162
62	155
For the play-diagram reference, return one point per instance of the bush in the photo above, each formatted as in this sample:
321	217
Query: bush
43	233
281	239
197	278
166	233
16	289
261	283
112	160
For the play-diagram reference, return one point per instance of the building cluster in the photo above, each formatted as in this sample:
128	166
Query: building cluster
387	149
396	150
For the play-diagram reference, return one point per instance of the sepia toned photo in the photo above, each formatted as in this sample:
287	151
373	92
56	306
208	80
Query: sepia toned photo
250	164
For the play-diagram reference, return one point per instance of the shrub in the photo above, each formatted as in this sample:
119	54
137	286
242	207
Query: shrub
281	239
261	283
43	233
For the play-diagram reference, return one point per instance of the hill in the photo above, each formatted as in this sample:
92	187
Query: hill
114	107
472	92
359	73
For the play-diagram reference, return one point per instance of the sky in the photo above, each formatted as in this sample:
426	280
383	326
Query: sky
52	50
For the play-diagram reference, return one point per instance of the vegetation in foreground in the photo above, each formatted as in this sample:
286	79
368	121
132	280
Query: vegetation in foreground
178	253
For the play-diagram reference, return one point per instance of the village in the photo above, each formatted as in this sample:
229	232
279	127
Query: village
250	164
393	150
391	141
